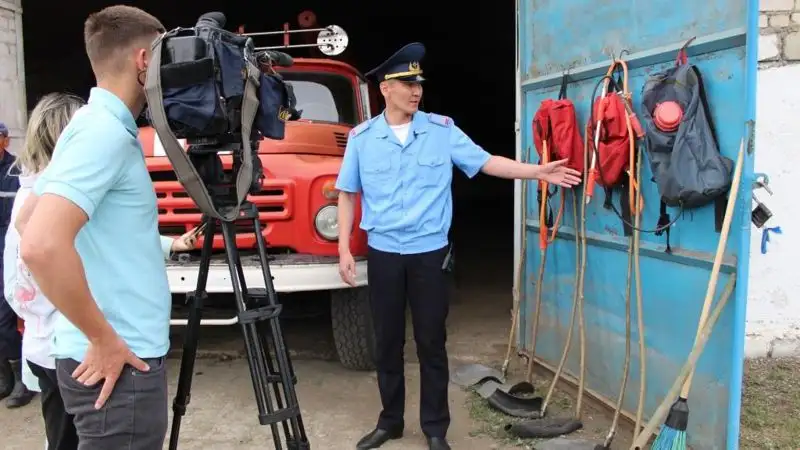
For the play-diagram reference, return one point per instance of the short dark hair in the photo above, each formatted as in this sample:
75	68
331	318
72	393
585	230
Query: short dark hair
111	31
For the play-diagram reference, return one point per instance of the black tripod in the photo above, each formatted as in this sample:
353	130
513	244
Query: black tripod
259	313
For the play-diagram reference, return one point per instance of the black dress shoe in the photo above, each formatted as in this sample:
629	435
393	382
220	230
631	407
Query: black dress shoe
379	437
437	443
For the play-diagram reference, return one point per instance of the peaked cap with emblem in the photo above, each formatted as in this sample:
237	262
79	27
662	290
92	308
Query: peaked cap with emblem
404	65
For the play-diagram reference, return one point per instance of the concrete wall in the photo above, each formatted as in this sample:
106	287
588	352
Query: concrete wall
773	318
779	43
12	79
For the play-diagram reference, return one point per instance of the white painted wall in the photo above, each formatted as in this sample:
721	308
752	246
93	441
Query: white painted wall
773	309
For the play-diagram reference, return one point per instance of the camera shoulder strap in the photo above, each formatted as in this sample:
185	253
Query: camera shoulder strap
250	104
184	169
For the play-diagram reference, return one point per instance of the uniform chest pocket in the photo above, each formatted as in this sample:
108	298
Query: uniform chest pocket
376	172
433	169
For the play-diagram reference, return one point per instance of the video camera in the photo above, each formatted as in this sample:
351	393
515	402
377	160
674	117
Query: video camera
206	85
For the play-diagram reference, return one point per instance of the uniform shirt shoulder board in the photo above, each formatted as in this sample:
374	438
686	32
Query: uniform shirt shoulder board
442	121
360	128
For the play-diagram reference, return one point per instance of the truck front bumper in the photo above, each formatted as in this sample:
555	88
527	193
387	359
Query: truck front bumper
291	273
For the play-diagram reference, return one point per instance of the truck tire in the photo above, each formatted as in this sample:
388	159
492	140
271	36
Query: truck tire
353	334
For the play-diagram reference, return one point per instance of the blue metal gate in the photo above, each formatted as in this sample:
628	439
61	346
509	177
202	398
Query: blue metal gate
579	36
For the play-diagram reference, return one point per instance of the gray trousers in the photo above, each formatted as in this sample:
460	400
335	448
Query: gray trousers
134	416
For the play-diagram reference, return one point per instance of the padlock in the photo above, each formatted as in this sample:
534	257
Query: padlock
761	214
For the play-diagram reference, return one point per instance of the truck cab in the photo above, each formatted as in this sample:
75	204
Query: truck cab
297	206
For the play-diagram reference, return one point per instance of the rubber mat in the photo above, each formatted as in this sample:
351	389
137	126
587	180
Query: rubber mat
487	388
469	375
515	406
547	427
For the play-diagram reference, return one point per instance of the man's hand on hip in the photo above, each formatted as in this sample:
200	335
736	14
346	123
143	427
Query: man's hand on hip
105	358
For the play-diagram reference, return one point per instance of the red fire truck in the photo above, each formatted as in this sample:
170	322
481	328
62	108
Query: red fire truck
297	203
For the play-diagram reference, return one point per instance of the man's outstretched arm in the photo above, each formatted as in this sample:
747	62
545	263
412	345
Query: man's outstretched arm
471	159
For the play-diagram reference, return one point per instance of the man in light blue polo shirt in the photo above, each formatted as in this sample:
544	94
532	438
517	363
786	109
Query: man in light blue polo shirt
92	244
401	162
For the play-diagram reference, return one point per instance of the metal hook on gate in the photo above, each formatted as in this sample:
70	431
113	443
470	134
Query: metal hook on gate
761	214
682	54
569	68
688	42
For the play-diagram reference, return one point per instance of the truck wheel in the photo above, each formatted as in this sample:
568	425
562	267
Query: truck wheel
353	334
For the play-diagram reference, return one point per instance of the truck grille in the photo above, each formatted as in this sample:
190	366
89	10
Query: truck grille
179	214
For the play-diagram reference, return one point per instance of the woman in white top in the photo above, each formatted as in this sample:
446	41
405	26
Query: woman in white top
45	125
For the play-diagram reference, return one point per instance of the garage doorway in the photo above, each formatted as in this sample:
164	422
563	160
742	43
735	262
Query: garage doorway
469	69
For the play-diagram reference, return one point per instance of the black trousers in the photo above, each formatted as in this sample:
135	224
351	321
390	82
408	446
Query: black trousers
10	338
59	425
395	279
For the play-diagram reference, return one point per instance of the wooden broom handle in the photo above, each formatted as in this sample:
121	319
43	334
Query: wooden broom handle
723	240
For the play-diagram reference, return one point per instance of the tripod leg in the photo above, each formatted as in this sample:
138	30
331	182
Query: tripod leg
252	343
281	352
264	351
182	396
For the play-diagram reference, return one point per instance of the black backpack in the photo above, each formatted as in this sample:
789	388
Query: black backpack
687	166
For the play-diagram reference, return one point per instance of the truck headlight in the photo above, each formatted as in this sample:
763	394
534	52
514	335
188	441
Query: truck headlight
327	223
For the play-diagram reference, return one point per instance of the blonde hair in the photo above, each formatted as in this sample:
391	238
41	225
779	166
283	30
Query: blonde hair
48	119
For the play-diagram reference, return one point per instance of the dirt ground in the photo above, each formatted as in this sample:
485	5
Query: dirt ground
339	406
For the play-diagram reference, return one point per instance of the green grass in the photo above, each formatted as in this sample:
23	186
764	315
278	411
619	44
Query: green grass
491	423
771	405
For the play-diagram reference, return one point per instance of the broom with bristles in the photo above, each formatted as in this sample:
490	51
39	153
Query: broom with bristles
673	434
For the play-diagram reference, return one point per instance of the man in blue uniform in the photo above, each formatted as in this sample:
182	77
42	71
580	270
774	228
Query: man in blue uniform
401	162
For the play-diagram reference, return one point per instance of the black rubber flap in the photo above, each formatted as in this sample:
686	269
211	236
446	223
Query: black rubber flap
514	405
547	427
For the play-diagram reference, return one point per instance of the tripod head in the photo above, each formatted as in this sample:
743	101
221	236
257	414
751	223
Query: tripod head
219	175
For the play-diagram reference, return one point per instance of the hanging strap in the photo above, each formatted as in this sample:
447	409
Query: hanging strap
179	158
682	57
664	224
562	93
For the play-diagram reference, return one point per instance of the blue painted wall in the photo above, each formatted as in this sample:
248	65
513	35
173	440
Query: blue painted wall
556	35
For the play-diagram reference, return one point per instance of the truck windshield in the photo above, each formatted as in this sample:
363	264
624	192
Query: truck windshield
324	97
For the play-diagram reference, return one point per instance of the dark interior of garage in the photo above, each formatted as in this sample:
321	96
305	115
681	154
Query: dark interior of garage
469	70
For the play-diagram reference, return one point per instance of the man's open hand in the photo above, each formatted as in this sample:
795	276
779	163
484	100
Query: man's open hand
557	173
104	361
